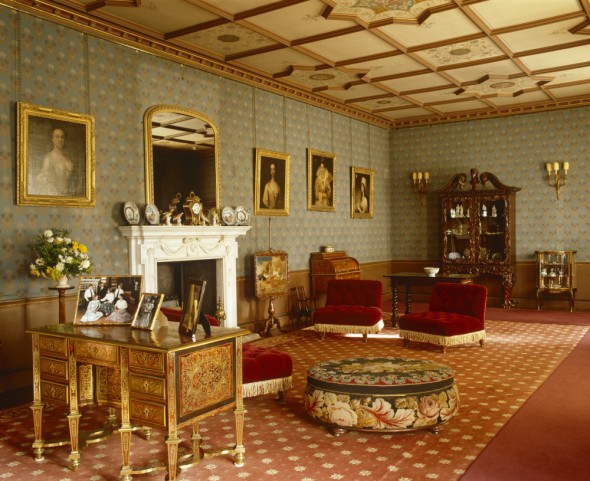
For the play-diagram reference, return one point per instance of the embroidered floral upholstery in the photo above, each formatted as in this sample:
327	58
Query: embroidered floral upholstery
456	315
352	306
381	394
265	371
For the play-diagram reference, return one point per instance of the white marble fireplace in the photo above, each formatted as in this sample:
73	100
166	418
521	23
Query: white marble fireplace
149	245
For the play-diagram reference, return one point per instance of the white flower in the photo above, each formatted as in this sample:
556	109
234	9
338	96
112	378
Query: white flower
57	255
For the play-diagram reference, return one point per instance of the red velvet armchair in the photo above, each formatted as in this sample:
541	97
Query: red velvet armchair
456	315
352	306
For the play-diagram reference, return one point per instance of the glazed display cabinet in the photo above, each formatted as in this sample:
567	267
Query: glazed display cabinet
478	228
556	274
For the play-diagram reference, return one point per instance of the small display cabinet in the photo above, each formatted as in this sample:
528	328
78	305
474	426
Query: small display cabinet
556	274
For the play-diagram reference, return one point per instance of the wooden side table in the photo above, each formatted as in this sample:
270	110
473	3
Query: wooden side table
62	301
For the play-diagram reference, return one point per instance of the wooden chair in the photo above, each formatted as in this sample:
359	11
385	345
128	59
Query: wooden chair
302	306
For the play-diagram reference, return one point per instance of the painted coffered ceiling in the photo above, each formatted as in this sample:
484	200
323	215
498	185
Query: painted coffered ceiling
396	63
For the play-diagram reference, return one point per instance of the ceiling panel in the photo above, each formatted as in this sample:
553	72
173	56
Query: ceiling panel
497	14
439	27
392	63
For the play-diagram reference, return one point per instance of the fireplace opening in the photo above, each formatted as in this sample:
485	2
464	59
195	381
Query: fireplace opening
173	280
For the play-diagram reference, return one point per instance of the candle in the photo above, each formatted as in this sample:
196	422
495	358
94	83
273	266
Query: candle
419	175
556	166
426	176
548	167
414	175
566	166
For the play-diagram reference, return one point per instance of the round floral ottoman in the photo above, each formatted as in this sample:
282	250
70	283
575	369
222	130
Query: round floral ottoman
381	394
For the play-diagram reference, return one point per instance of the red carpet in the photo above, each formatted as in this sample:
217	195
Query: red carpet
283	444
548	439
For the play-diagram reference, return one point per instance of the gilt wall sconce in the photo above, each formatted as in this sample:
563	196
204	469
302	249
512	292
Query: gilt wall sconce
420	184
557	177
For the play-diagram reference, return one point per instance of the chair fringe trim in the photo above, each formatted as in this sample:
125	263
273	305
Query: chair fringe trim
266	387
443	340
343	329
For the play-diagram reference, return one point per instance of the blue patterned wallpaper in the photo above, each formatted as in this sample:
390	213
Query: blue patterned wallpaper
56	65
54	68
516	149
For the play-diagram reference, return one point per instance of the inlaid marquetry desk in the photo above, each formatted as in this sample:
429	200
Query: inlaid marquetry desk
157	378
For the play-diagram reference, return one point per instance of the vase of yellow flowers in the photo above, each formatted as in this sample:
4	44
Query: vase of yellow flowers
58	257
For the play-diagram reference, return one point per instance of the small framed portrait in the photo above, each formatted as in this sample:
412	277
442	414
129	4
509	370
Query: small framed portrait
147	311
271	190
361	193
107	300
191	307
321	186
55	157
271	274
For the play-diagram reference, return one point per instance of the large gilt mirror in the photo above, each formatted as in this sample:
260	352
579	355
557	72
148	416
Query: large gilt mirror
181	156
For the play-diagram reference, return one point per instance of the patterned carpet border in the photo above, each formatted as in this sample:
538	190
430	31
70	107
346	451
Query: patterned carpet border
282	442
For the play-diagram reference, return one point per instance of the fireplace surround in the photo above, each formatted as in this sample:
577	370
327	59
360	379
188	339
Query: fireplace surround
150	245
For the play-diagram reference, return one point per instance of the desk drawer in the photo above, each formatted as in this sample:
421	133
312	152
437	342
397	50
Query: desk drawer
55	392
146	361
53	346
96	353
148	413
54	369
147	387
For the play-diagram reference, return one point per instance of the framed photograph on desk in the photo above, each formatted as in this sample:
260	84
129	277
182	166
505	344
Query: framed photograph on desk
147	311
107	300
191	307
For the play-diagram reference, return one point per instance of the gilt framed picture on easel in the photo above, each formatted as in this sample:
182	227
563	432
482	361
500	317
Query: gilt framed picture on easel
271	274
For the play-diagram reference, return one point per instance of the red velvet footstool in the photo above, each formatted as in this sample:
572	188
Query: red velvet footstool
265	371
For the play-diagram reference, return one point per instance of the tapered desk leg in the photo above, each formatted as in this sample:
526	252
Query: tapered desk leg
37	406
240	450
126	429
239	412
172	441
74	415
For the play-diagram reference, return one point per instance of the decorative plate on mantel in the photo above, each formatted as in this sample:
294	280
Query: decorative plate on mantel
152	214
131	213
228	215
242	215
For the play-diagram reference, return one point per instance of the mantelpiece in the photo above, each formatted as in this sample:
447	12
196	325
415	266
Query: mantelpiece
149	245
